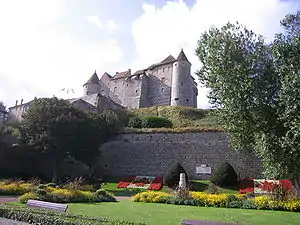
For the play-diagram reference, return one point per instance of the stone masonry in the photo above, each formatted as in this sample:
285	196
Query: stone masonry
168	82
154	153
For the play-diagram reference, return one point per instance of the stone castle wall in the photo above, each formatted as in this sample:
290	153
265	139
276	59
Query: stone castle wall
159	85
154	153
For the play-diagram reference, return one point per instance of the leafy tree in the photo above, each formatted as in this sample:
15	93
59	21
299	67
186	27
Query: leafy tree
49	125
256	88
93	132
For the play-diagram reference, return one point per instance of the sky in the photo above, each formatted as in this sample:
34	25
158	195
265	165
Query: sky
51	47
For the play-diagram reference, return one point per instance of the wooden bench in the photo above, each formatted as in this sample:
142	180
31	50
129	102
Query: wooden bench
47	205
200	222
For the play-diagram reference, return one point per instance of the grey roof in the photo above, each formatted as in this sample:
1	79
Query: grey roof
138	72
182	56
169	59
122	74
88	98
93	79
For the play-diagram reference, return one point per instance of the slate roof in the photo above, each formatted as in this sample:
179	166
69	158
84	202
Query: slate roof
93	79
169	59
122	74
181	56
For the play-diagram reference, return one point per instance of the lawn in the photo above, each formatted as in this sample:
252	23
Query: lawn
154	214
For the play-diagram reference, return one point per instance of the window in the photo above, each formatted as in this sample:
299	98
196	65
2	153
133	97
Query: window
162	89
181	83
163	79
176	99
136	91
187	100
163	69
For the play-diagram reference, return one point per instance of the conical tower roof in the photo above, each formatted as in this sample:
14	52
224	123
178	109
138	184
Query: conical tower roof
93	79
182	56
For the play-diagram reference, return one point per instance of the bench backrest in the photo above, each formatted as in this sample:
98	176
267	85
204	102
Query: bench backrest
47	205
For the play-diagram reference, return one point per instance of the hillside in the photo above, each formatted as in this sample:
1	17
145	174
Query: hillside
182	116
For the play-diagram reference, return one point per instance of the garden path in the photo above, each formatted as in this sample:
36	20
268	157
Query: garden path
11	222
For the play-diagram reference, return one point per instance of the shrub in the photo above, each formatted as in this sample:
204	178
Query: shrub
30	195
248	204
151	196
15	188
172	177
156	122
51	185
224	176
212	189
41	192
203	199
35	216
135	122
42	186
60	195
280	193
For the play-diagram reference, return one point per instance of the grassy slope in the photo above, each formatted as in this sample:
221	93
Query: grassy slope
182	116
173	214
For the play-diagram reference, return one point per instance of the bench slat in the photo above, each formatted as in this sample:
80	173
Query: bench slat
47	205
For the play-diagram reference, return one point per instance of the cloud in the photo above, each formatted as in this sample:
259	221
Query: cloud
162	31
94	20
110	26
38	58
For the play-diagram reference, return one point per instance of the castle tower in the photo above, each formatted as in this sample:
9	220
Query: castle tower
183	90
92	85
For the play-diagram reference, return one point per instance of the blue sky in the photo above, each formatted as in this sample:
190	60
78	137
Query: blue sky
47	45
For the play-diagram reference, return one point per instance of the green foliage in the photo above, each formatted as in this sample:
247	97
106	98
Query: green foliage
135	122
256	86
224	176
172	177
156	122
60	195
44	217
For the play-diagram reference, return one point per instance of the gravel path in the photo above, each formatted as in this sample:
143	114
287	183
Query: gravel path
8	199
11	222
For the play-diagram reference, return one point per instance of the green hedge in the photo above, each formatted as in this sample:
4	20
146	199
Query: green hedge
35	216
156	122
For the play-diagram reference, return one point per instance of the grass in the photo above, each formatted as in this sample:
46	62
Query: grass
182	116
203	185
173	214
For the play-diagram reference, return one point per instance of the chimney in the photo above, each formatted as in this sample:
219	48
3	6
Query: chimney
16	102
21	101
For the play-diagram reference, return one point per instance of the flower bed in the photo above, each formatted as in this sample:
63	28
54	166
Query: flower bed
219	200
262	186
60	195
142	182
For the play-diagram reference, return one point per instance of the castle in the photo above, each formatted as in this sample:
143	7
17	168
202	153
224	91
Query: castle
168	82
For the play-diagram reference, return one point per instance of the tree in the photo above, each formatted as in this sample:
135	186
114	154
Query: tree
49	125
93	132
256	88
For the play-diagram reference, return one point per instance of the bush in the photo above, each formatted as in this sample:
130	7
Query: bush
218	200
30	195
51	185
224	176
60	195
34	216
172	177
135	122
156	122
15	188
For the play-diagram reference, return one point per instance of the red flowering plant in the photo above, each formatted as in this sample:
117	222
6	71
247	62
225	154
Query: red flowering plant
142	182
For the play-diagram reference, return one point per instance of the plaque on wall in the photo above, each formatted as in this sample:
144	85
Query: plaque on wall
203	169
